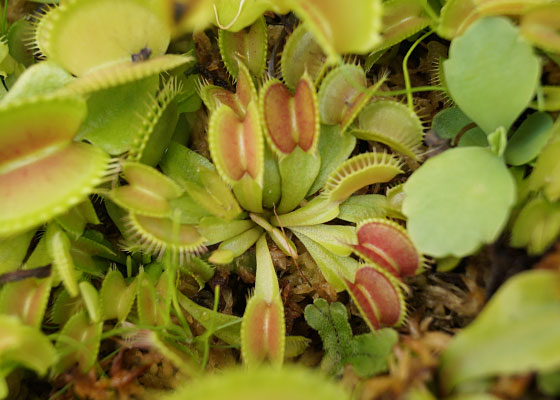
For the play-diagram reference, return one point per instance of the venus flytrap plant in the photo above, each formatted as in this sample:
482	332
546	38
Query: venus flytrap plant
46	149
393	124
213	96
295	143
263	328
237	147
343	94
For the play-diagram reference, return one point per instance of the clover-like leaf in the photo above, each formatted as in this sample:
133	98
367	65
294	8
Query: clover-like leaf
448	123
518	331
483	63
458	201
367	352
331	321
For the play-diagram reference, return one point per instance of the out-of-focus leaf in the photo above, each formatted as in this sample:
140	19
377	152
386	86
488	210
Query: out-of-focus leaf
518	331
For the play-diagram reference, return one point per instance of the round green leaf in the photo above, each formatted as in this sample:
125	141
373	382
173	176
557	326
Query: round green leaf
491	73
458	201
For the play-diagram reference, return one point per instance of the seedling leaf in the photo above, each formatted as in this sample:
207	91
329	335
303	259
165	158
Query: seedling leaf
483	63
458	201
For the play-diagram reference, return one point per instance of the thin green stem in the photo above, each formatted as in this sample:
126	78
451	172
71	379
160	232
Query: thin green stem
405	69
210	330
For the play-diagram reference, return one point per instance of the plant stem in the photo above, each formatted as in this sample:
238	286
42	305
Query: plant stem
405	69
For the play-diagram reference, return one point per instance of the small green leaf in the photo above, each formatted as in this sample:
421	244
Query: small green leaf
488	64
498	141
529	139
331	321
449	122
518	331
458	201
367	353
